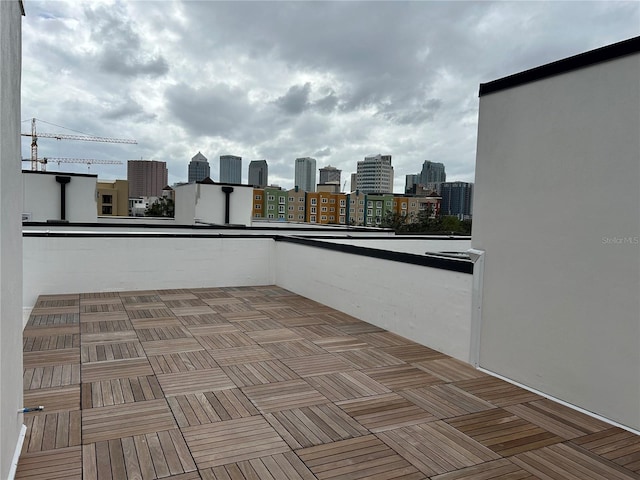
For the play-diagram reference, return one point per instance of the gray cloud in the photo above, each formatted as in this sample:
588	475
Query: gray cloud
296	100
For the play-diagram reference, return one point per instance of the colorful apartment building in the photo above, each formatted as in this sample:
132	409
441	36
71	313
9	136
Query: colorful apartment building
296	205
258	210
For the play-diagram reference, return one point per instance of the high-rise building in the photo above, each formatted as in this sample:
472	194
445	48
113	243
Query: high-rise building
305	174
146	178
330	174
410	183
375	174
354	182
457	199
432	172
198	168
230	169
258	173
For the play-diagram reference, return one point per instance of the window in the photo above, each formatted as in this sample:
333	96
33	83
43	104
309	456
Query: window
323	209
291	208
361	210
271	198
313	209
258	197
389	203
107	199
301	217
271	207
281	208
290	217
343	203
291	199
379	204
369	211
332	218
323	218
281	200
271	215
333	200
404	205
332	209
258	215
258	207
395	204
301	208
106	209
413	204
323	200
361	202
281	216
352	202
313	218
378	212
342	211
341	219
314	201
301	199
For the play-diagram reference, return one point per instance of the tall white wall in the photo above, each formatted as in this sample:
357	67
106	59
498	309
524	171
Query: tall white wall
10	234
92	264
41	197
428	305
207	204
557	212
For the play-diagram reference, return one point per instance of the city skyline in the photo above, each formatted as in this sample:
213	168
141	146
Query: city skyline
412	92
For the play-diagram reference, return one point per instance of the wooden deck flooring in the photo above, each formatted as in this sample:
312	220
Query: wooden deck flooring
258	383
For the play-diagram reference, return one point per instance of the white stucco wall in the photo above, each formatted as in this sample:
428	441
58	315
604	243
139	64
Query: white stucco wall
94	264
10	234
207	204
41	197
417	246
428	305
557	212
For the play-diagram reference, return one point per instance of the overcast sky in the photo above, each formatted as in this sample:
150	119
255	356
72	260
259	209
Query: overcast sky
336	81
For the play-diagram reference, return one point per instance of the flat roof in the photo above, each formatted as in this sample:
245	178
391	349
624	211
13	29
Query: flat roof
602	54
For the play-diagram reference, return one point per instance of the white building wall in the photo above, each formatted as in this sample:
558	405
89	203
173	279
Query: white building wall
41	197
428	305
10	235
556	211
206	203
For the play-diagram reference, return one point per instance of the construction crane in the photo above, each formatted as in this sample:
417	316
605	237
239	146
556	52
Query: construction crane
86	161
87	138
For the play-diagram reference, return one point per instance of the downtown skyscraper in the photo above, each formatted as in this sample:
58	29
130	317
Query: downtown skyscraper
305	174
230	169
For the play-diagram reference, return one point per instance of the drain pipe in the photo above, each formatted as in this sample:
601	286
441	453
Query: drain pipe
63	197
227	192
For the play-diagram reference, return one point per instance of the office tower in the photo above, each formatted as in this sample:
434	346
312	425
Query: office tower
375	174
410	183
305	174
146	178
432	172
354	182
457	199
258	173
230	169
198	168
330	174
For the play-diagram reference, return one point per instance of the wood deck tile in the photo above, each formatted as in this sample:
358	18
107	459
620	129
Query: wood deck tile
157	322
558	419
115	306
381	338
59	310
294	348
179	294
413	352
182	362
176	345
151	456
52	376
370	358
184	302
340	344
280	312
436	447
566	462
244	314
208	407
130	367
400	377
334	317
50	431
51	330
54	301
205	319
450	369
228	300
268	371
361	457
314	332
47	320
346	385
143	311
98	299
314	425
228	339
138	298
274	397
221	443
54	399
257	324
63	464
109	337
94	295
117	421
42	343
274	467
502	469
503	432
192	310
318	364
104	317
210	292
111	351
212	329
615	444
274	335
120	391
497	391
102	326
384	412
240	355
446	401
162	333
195	381
301	321
358	328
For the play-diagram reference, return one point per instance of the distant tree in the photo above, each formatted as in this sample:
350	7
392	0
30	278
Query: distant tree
394	220
163	207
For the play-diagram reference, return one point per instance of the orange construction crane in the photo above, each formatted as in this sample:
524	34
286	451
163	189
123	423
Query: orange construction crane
87	138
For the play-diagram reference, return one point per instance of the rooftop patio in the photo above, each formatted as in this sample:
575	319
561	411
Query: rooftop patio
260	383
